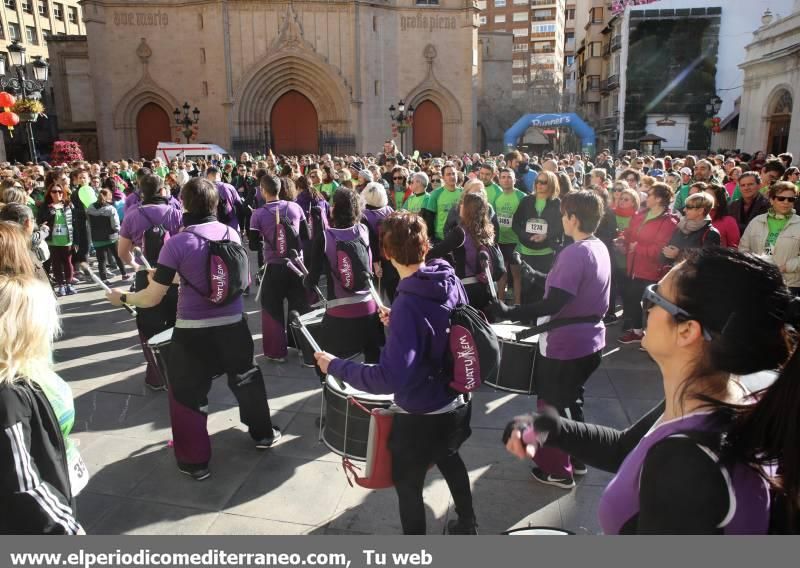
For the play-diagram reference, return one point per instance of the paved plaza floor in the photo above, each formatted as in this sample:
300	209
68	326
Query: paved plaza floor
297	487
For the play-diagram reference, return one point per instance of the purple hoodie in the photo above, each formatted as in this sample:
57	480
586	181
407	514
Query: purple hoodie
410	362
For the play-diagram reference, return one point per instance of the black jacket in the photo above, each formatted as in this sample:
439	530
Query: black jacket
47	214
704	237
736	209
35	493
551	213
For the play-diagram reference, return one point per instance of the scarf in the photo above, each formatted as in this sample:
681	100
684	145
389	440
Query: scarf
624	211
775	215
157	200
190	219
686	226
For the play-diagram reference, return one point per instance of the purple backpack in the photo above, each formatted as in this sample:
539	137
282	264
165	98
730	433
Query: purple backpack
228	270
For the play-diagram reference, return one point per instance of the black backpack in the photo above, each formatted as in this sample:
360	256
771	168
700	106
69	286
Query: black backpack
352	261
286	238
154	237
473	354
224	207
228	270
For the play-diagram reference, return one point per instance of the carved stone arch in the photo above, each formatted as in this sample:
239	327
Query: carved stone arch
266	81
775	96
127	109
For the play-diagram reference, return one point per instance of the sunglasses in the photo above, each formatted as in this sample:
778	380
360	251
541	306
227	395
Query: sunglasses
59	191
618	189
398	178
436	181
651	298
790	199
541	182
693	207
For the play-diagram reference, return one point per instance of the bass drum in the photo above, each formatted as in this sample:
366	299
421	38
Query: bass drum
159	346
517	359
313	321
346	426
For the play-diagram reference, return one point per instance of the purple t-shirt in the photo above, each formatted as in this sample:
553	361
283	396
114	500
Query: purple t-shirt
263	221
132	200
584	270
138	220
189	255
229	194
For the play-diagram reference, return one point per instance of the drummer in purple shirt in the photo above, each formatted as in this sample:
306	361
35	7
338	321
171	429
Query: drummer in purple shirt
209	339
431	421
153	211
230	204
577	286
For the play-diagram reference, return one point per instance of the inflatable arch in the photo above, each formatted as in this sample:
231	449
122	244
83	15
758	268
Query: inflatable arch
576	123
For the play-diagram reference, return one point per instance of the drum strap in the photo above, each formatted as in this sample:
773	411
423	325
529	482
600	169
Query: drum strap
470	280
547	326
358	299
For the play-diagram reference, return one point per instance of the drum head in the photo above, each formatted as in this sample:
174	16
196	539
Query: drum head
355	393
161	338
538	531
314	316
508	332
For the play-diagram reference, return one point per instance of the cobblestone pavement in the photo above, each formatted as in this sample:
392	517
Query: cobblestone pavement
298	487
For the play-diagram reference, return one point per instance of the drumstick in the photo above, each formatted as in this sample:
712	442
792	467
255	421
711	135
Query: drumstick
294	318
140	256
373	292
295	260
263	271
484	256
90	273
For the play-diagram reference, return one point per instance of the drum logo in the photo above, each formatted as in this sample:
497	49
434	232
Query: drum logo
219	280
345	270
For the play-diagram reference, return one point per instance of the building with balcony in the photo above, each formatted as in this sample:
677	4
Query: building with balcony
30	22
539	30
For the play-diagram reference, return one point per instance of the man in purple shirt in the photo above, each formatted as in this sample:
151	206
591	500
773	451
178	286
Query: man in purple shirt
209	339
576	287
152	211
230	204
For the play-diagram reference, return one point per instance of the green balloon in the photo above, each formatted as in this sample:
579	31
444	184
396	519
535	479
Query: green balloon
87	195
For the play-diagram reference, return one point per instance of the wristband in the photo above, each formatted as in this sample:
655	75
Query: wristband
123	298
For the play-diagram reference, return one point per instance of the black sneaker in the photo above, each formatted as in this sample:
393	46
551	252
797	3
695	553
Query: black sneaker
265	443
196	472
547	479
578	467
462	527
611	319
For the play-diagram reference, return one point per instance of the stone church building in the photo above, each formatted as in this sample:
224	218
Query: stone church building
296	76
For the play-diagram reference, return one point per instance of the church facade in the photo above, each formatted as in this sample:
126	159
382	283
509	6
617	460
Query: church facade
295	76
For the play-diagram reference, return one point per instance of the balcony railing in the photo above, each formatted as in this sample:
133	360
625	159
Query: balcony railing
612	81
543	2
616	42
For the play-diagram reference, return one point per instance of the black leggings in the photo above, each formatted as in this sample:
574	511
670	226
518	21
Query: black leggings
632	302
416	442
108	253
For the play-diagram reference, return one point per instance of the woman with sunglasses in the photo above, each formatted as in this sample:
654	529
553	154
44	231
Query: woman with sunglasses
699	462
400	188
695	229
775	235
57	215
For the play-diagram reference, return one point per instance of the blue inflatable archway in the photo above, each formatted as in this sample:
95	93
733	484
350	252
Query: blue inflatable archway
576	123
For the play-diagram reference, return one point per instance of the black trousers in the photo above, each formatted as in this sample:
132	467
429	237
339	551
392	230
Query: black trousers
632	303
108	254
196	356
345	337
416	442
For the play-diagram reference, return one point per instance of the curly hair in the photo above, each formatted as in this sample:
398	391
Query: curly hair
475	218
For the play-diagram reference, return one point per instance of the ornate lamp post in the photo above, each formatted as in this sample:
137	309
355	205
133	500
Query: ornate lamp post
712	108
186	121
28	88
402	120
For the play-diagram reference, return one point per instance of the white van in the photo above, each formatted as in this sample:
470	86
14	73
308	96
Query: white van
169	150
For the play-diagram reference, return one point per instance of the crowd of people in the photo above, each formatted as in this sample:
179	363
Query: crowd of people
701	252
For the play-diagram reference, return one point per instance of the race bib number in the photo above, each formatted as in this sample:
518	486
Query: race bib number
60	231
536	227
78	474
504	221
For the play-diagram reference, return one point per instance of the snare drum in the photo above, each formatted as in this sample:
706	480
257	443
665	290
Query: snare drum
346	427
159	347
313	321
538	531
517	359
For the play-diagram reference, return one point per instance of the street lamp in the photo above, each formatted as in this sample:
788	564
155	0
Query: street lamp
20	84
712	108
187	121
402	119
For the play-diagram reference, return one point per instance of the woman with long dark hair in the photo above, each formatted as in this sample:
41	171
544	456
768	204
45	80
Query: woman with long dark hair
712	458
723	221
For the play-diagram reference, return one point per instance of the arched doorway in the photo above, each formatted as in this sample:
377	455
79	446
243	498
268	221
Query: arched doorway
428	131
152	127
780	118
294	125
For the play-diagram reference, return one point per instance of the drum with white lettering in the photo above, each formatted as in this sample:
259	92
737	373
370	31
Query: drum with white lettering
313	321
346	426
517	359
159	346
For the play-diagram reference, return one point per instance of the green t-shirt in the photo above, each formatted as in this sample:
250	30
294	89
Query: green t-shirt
493	191
541	202
623	222
680	197
161	172
775	226
60	236
415	203
399	198
505	205
328	189
441	202
650	215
